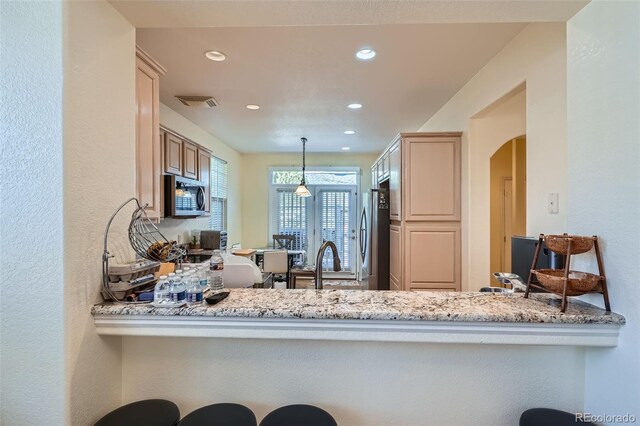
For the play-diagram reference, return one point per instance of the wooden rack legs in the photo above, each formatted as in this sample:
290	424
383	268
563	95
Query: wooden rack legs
567	269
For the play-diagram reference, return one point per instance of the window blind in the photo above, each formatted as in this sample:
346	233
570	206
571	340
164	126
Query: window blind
292	217
219	187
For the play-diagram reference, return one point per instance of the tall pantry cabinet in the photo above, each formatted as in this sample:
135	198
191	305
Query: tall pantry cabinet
148	141
424	206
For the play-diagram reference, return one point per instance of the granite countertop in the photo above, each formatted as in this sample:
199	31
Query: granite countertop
381	305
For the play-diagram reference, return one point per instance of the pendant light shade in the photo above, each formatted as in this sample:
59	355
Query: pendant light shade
302	190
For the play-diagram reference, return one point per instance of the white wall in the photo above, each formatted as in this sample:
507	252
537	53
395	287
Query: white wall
31	214
488	131
255	186
536	56
99	166
183	227
603	104
359	383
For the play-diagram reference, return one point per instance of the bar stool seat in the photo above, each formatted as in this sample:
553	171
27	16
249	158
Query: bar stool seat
223	414
298	415
549	416
149	412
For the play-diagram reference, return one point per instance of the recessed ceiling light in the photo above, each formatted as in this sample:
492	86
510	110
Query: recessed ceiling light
354	106
253	107
349	132
346	148
215	55
365	54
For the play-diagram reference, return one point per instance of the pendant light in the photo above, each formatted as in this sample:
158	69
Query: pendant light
302	190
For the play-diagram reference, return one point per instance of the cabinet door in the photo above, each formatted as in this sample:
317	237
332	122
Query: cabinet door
148	173
172	154
395	256
204	165
395	183
432	256
374	176
432	187
189	160
385	166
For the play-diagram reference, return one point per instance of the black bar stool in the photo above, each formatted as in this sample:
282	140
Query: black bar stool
298	415
548	417
150	412
224	414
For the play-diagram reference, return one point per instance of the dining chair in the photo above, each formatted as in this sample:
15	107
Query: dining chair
283	242
277	262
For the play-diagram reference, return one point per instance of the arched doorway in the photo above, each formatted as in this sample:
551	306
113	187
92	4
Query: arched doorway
508	200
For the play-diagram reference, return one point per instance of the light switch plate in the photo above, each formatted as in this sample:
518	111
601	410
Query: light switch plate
552	203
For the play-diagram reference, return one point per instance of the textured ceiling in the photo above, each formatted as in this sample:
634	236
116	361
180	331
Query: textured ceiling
296	60
236	13
304	77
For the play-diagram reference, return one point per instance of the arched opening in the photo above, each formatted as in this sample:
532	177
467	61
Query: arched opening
508	200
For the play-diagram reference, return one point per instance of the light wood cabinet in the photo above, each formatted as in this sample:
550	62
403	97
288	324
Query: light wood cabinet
204	175
189	160
424	208
432	165
395	183
395	256
432	253
148	147
173	154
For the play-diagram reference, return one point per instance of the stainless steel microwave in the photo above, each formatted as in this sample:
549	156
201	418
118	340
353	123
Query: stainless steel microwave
184	197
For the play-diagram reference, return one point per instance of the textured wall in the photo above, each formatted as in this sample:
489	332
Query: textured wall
31	234
604	182
536	56
174	227
99	167
360	383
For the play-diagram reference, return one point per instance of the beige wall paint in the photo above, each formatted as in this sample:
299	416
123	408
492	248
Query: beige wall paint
501	169
255	186
174	228
32	293
603	97
537	57
99	152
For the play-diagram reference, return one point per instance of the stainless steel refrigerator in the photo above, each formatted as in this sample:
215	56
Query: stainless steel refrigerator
374	238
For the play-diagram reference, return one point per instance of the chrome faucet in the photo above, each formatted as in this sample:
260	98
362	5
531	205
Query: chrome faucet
320	257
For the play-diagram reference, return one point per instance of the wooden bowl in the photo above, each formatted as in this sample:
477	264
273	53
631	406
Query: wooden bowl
560	243
579	282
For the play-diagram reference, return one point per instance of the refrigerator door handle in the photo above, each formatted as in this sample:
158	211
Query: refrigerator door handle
363	235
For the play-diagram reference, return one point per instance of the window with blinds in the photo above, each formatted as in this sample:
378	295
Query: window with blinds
292	217
219	184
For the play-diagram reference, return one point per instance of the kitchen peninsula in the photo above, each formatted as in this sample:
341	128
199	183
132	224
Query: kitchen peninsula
387	316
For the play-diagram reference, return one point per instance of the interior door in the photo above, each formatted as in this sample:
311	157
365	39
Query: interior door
507	225
336	220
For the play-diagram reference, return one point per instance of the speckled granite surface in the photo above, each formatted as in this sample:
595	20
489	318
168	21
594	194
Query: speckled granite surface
382	305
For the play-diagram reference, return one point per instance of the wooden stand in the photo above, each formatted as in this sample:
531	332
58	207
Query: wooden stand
601	287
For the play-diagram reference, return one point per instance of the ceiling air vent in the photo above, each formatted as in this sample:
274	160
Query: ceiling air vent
198	101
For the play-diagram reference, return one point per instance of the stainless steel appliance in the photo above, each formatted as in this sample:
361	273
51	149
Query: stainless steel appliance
213	240
374	238
184	197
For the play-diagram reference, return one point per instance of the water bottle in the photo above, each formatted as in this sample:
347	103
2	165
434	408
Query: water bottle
161	291
177	290
216	265
194	291
203	277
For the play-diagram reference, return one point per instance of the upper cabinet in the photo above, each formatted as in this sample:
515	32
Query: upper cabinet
172	154
148	145
190	160
432	174
395	181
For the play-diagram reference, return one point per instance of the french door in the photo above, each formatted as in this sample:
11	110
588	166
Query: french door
335	220
328	215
